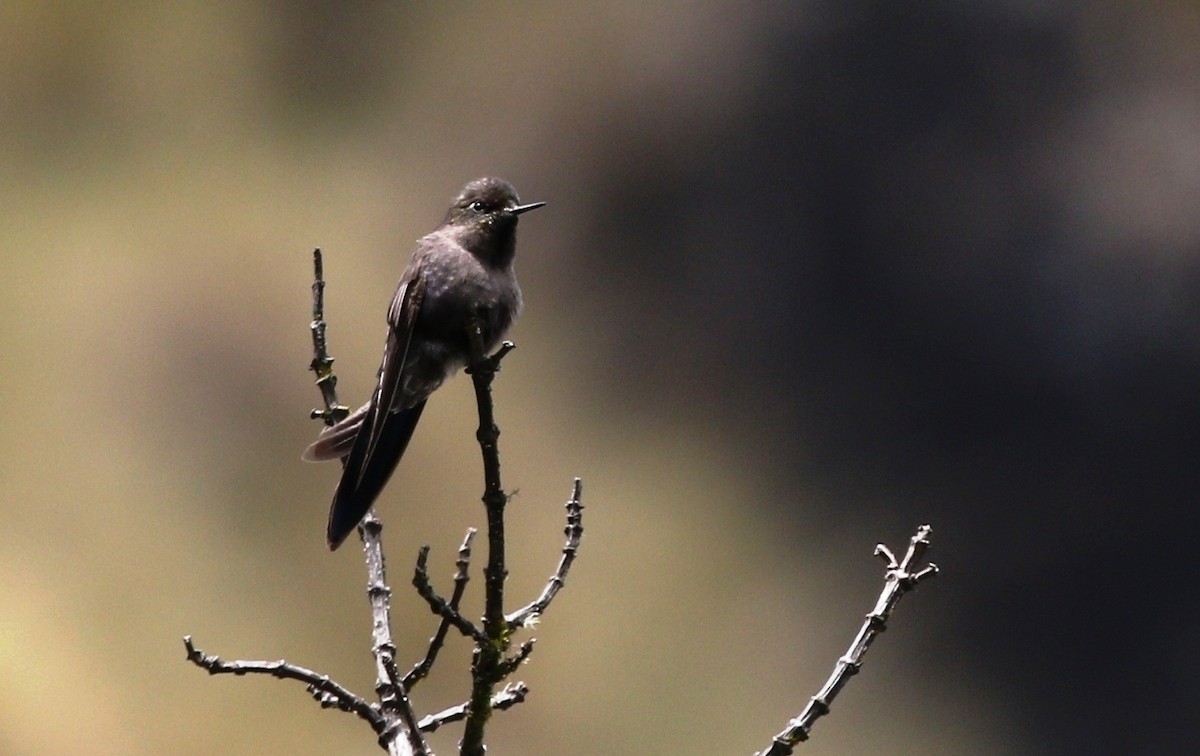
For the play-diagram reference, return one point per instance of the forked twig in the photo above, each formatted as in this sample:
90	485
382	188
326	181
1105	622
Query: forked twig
901	577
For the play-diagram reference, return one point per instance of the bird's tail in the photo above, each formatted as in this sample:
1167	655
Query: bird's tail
360	487
336	440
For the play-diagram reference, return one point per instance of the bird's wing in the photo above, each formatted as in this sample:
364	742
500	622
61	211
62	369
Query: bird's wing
383	432
402	316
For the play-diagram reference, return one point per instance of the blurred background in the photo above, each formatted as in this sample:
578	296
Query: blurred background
811	274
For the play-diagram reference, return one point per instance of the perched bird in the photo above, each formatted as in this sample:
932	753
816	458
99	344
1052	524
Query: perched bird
460	273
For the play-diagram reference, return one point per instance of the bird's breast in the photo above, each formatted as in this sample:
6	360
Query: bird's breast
458	289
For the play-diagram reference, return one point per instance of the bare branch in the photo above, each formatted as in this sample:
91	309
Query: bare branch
421	669
509	665
510	696
322	363
900	578
527	615
447	610
328	693
402	728
489	654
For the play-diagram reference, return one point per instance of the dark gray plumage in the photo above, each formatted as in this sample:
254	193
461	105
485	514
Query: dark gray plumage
460	271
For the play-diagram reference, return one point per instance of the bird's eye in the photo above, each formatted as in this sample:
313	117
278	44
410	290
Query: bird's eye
478	206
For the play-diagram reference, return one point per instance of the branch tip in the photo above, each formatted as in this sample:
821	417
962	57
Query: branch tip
899	578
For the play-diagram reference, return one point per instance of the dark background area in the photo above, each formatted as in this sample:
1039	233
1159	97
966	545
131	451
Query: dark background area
811	274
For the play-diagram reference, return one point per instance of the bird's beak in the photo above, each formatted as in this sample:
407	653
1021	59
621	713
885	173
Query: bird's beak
526	208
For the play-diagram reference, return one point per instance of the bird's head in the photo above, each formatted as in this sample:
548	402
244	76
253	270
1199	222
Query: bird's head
488	206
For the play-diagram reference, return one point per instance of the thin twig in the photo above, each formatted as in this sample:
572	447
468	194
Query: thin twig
327	692
509	665
447	610
421	669
510	696
900	578
322	363
529	614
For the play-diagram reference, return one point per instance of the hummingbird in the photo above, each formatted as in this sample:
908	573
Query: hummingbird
459	275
